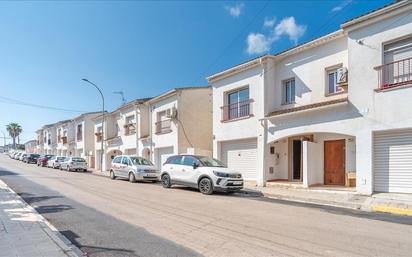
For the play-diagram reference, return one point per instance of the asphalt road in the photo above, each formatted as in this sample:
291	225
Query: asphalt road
116	218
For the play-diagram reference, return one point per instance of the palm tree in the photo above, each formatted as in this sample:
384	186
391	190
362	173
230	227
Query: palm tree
14	130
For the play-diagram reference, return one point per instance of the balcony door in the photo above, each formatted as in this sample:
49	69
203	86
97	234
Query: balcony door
238	102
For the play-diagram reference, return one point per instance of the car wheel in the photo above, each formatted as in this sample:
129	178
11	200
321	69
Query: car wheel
166	183
112	176
132	178
206	186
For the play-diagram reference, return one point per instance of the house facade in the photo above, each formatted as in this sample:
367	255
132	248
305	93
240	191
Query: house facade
84	137
332	111
65	138
121	131
180	122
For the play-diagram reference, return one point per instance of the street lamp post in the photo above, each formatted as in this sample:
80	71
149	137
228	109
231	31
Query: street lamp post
101	144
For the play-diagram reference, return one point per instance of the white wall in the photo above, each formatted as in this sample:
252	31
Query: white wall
381	110
312	163
309	70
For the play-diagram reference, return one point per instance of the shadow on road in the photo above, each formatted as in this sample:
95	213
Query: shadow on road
7	173
30	198
96	250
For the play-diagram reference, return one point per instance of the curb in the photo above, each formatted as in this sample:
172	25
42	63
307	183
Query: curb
352	206
61	241
393	210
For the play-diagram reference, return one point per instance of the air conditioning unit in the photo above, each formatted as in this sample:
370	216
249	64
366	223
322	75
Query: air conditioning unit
342	76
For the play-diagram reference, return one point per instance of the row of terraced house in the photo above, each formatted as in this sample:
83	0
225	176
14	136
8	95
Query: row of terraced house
333	111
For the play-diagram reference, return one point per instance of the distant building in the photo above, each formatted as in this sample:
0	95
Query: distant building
31	146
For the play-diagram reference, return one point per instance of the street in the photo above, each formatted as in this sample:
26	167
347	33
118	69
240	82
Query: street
117	218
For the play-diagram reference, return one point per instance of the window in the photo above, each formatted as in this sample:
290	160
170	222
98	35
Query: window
238	104
79	132
397	67
125	161
289	91
189	160
332	78
129	125
117	159
175	160
163	124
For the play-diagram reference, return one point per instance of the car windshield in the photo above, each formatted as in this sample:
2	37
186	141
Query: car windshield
78	160
49	156
141	161
35	155
61	158
210	162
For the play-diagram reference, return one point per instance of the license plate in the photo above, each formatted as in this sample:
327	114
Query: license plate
237	183
150	175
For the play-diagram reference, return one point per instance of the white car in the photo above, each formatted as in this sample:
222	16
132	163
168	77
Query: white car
204	173
133	168
55	161
74	163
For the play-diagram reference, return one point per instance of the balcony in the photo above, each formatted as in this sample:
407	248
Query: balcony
129	129
395	74
242	109
163	127
99	136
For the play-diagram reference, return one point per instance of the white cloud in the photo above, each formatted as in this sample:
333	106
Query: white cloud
257	43
288	27
269	22
342	5
235	11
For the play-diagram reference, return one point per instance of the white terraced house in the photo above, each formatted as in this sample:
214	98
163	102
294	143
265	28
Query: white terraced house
65	138
333	111
180	122
122	129
84	137
48	133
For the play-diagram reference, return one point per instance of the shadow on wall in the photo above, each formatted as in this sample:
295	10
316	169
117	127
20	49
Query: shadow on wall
314	117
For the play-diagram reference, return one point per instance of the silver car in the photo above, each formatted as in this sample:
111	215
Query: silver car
74	163
55	161
133	168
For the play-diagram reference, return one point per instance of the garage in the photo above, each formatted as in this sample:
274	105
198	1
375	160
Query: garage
392	161
162	154
241	156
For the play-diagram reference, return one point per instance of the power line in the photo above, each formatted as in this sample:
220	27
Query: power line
7	100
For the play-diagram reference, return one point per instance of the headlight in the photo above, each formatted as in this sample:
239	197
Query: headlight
221	174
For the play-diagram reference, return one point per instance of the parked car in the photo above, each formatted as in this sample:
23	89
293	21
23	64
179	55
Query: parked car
22	156
31	158
204	173
43	159
74	163
55	161
133	168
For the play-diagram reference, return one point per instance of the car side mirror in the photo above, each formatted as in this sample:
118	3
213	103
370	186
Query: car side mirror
195	165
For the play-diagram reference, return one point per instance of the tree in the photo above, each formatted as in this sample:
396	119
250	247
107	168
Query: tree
14	130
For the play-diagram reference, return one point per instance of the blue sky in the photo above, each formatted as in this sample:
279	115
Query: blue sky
140	48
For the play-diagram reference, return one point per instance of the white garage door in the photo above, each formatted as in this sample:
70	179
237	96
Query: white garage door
241	156
162	155
392	164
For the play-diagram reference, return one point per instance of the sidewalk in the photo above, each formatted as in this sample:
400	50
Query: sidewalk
400	204
24	232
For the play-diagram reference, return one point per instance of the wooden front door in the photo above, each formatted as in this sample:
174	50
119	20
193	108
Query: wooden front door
334	162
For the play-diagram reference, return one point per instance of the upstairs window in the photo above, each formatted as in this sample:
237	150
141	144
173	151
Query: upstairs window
289	91
397	67
332	78
238	104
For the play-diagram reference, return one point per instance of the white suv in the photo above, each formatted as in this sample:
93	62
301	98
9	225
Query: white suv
204	173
